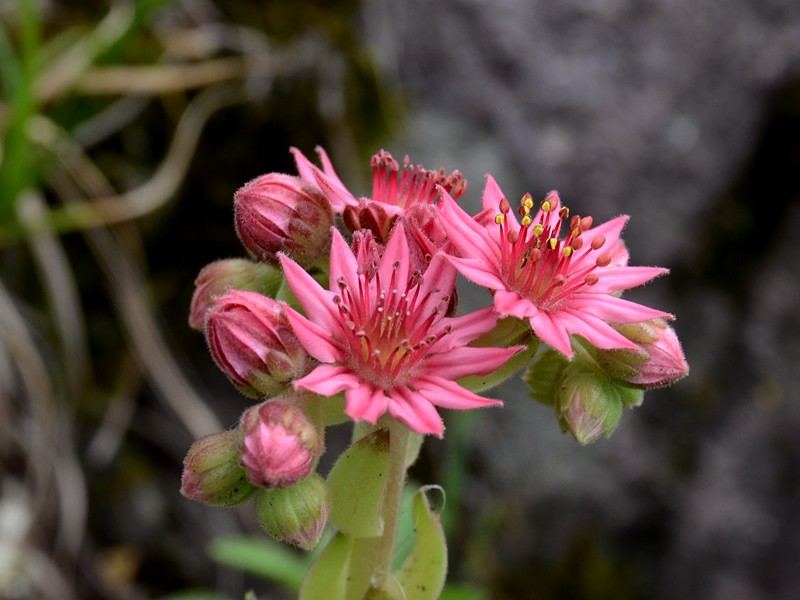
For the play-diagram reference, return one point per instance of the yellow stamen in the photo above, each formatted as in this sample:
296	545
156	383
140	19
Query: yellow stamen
499	219
537	230
552	242
526	220
546	207
567	251
527	201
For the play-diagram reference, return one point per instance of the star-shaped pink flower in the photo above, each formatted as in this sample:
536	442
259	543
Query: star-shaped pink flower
561	284
384	340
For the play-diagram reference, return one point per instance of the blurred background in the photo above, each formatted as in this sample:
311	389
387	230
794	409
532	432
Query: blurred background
127	126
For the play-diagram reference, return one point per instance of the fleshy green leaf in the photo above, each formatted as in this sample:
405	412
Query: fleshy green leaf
422	575
357	483
327	577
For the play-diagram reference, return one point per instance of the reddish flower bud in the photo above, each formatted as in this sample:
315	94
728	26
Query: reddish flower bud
213	472
251	340
280	444
218	277
658	362
282	213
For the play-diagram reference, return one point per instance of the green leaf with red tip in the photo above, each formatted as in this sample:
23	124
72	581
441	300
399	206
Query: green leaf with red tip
357	483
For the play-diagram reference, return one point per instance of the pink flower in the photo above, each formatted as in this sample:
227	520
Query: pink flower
384	340
563	285
395	190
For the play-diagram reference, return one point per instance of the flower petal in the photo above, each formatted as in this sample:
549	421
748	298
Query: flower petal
492	195
599	333
478	271
396	260
465	328
552	331
329	380
317	341
461	362
448	394
614	279
365	402
469	238
613	309
316	301
343	264
511	303
415	411
438	280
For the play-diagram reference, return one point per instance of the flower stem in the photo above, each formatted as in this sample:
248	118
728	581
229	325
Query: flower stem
399	437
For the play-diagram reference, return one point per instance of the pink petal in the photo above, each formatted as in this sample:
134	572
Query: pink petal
599	333
316	302
614	310
304	166
510	303
364	402
469	238
397	255
438	281
492	195
614	279
317	341
415	411
329	380
551	331
611	230
328	182
327	166
343	264
461	362
337	194
478	271
448	394
465	328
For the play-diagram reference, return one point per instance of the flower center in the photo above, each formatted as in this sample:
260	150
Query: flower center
539	264
389	326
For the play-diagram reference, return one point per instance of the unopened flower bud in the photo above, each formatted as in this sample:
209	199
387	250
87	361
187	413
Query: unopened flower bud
280	444
218	277
282	213
296	515
251	340
589	404
658	362
213	472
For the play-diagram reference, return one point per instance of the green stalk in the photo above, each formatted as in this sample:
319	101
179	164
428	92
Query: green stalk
399	437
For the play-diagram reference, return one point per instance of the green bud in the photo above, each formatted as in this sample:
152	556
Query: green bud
213	473
590	405
296	515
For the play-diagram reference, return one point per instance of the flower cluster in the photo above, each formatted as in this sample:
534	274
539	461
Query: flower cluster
347	309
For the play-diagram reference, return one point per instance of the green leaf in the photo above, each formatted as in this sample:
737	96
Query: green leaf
194	595
357	483
327	577
543	376
422	575
262	558
461	592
